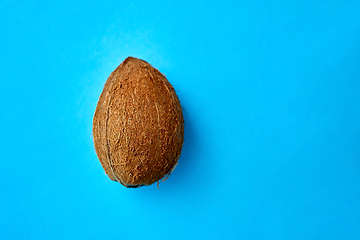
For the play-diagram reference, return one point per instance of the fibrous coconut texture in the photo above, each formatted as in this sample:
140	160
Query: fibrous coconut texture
138	126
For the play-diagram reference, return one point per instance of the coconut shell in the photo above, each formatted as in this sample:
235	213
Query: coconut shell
138	126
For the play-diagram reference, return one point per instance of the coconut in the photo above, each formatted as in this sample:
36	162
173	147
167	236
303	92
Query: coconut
138	126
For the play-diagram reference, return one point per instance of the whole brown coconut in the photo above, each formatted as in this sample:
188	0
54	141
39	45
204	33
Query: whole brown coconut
138	125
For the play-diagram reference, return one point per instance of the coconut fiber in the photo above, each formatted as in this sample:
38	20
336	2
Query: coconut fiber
138	126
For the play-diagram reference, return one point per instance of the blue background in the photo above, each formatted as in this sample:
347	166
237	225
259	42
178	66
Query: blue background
271	99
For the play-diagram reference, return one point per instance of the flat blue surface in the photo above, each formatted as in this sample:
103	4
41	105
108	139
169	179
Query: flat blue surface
271	98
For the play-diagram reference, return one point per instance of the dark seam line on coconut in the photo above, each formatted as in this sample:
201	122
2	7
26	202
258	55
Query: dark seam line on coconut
158	154
152	79
106	138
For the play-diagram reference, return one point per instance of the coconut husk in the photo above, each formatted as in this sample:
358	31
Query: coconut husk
138	126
